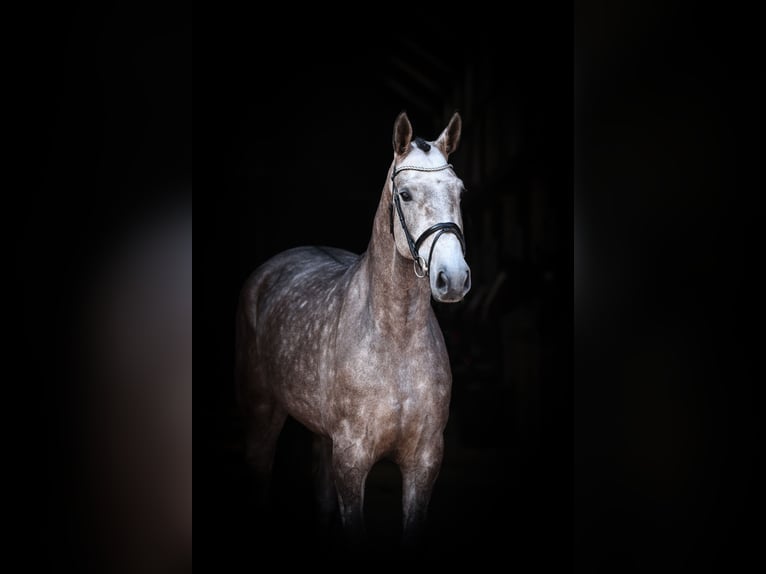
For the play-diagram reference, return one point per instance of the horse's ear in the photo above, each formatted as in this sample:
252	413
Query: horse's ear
450	137
402	134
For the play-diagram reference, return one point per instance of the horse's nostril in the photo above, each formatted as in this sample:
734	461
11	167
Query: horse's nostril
467	282
441	281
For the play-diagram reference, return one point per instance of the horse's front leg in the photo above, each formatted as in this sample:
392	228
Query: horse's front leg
351	463
419	472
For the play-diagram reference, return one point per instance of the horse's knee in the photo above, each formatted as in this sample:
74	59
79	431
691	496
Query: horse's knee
349	472
349	479
421	470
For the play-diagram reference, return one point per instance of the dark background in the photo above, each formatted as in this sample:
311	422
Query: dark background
100	136
304	143
666	396
668	288
98	145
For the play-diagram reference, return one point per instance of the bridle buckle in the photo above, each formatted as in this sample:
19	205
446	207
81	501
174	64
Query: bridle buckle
420	263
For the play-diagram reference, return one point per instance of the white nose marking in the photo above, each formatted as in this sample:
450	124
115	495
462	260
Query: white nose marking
448	253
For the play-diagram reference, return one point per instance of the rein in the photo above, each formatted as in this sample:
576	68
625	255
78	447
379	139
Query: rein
419	263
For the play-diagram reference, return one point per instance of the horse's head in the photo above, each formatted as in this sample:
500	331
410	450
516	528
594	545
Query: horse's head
427	224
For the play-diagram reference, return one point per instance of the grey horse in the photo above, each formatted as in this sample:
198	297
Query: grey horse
349	345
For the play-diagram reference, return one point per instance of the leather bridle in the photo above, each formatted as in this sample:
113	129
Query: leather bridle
440	228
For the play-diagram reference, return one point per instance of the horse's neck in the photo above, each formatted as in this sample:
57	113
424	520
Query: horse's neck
398	299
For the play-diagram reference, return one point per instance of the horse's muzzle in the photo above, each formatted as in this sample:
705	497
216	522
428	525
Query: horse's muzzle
451	285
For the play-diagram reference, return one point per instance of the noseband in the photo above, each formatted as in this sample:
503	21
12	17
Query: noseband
420	264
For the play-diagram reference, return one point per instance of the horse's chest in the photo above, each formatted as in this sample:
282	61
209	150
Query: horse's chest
386	398
402	371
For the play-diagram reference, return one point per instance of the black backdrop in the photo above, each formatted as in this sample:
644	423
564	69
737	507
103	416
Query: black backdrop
668	106
303	142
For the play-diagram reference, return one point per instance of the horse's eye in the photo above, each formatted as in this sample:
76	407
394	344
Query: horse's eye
405	195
